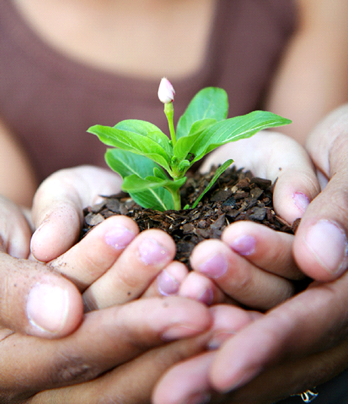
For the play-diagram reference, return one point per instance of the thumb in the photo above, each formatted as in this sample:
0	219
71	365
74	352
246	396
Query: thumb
321	245
58	204
35	301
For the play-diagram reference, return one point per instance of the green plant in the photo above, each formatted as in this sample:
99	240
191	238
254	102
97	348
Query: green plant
153	166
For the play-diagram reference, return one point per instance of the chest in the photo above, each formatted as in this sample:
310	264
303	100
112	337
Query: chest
141	38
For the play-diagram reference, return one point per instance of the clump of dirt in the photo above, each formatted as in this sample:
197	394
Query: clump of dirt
237	195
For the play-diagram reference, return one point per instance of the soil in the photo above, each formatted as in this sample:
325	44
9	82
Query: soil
237	195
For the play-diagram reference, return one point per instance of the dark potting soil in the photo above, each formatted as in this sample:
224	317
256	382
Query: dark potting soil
237	195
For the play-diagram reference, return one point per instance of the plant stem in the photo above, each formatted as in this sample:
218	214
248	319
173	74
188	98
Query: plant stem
176	199
169	111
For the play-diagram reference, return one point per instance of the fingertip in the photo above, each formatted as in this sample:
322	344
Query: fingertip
321	250
56	234
54	310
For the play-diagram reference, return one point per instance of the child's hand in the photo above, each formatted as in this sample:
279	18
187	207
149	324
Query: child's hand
113	264
253	264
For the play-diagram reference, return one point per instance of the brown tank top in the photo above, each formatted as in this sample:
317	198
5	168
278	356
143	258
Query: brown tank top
49	101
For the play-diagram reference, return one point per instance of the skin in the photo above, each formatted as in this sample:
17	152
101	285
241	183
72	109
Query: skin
327	90
93	270
302	342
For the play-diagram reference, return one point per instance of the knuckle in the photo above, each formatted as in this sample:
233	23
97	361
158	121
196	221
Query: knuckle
72	369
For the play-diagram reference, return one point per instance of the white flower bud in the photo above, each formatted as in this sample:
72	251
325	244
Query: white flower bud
166	91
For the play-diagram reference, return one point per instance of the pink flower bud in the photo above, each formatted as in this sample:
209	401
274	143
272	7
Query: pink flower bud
166	91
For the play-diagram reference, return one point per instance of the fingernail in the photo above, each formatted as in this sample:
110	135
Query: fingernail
207	297
151	252
47	307
244	245
119	237
301	201
199	398
167	284
328	242
214	267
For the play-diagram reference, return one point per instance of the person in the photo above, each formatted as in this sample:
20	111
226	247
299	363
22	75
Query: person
107	267
302	342
39	118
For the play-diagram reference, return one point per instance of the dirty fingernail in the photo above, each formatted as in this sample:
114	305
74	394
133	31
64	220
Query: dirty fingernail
328	242
47	307
244	245
119	237
214	267
151	252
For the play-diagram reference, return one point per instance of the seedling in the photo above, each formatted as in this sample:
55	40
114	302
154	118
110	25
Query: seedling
153	166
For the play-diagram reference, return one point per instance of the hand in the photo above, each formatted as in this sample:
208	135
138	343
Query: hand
253	264
24	282
321	246
99	258
106	338
299	344
303	342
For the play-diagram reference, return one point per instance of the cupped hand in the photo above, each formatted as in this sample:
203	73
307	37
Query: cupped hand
33	299
321	244
253	264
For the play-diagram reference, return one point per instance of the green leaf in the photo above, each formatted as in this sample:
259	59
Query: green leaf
159	173
233	129
184	145
211	102
184	166
127	164
218	172
133	142
134	183
147	129
158	199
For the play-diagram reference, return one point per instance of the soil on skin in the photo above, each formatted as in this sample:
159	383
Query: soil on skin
237	195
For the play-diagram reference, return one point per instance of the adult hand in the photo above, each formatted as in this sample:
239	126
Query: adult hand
299	344
106	338
252	263
302	342
24	284
321	246
33	299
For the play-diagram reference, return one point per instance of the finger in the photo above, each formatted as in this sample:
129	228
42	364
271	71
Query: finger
199	287
123	332
131	382
239	278
321	245
293	377
193	378
168	281
133	272
189	381
263	247
275	157
58	204
15	231
89	259
35	301
307	323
